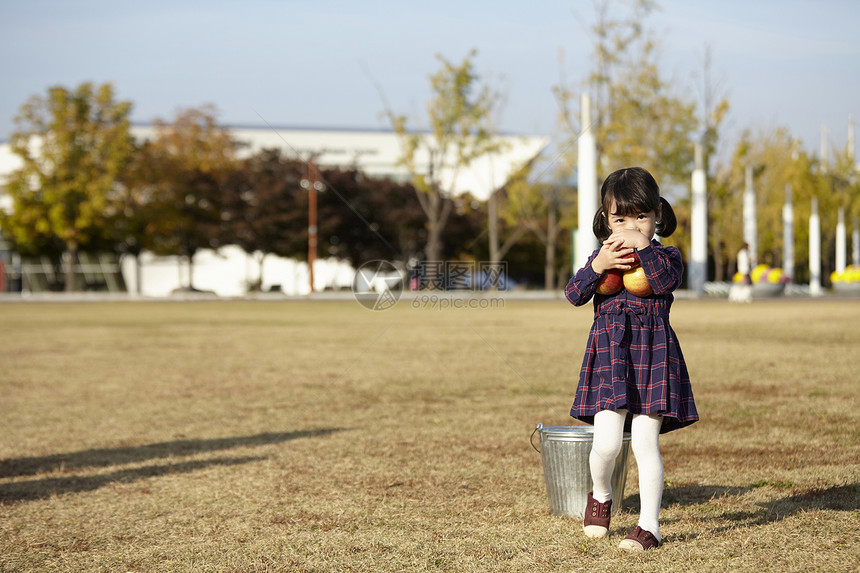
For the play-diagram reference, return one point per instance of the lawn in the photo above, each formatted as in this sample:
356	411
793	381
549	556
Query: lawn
321	436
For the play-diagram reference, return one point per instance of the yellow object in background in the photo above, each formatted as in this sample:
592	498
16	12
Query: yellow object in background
851	274
757	272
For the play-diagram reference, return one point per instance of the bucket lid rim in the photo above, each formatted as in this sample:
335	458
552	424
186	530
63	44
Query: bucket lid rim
574	429
582	431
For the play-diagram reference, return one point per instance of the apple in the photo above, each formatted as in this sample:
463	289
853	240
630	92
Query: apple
636	283
634	280
636	261
610	282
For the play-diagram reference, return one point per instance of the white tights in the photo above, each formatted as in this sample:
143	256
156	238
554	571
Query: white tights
645	434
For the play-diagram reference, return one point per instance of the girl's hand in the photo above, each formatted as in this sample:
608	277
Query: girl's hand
612	255
629	238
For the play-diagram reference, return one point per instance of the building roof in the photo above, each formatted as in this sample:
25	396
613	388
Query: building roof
375	152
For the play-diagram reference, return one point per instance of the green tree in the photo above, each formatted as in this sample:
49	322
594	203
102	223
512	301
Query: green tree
459	112
74	145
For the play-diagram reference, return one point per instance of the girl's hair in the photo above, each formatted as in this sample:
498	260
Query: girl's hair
634	191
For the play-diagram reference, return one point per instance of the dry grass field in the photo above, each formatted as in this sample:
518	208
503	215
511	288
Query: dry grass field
320	436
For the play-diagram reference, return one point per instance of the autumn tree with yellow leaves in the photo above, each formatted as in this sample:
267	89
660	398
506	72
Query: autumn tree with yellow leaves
74	145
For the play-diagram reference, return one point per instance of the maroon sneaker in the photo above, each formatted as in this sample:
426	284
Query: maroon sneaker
596	522
639	540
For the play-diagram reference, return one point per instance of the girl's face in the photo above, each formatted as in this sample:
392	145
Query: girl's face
645	223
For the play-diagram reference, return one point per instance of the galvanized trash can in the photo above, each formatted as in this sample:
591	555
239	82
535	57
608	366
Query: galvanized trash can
564	454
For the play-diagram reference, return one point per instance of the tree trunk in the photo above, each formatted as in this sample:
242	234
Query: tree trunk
719	257
437	211
260	270
433	248
72	253
138	273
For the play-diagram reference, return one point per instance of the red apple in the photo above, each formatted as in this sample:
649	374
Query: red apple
610	282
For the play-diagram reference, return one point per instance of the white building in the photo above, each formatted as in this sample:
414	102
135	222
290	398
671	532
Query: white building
376	153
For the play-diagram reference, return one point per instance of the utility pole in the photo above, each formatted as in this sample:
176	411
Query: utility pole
313	183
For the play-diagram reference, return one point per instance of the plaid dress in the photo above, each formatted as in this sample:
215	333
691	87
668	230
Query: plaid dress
633	360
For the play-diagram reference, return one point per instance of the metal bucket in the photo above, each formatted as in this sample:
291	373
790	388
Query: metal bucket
564	452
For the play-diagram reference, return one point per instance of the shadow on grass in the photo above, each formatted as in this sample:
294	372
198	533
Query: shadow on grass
44	488
102	457
838	498
687	495
835	498
31	490
695	494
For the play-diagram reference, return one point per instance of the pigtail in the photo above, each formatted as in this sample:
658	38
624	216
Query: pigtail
667	223
600	226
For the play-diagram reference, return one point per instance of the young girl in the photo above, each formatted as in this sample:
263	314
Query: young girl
633	375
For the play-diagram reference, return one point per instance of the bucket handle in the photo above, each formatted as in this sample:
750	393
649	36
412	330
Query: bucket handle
532	437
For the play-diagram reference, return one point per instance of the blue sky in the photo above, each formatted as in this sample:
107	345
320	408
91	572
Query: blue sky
314	63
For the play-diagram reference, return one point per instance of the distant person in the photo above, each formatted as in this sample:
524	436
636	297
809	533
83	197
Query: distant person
742	292
633	372
744	264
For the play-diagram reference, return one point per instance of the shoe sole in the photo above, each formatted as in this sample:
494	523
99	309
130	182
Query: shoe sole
595	531
630	545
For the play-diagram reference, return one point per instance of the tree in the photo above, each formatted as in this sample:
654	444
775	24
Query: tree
838	188
637	115
266	208
537	196
777	160
359	218
191	160
459	132
638	118
714	109
363	218
133	209
74	146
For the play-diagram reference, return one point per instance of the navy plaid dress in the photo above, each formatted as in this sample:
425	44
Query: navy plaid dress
633	360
